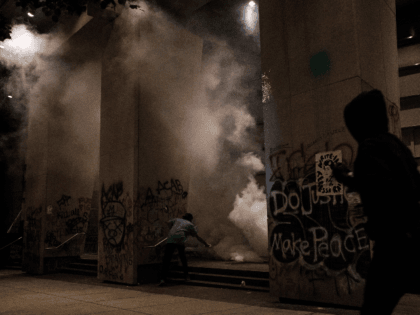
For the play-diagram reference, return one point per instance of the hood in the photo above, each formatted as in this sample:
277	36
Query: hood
366	115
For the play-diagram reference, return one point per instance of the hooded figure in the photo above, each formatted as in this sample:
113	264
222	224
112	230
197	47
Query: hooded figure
385	172
387	179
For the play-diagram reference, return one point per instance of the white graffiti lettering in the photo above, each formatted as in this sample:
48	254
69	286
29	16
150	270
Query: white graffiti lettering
322	246
294	200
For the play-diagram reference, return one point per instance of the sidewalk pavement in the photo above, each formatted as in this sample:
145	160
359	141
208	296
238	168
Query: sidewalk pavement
72	294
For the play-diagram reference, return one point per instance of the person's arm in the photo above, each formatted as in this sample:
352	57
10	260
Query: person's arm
202	241
193	233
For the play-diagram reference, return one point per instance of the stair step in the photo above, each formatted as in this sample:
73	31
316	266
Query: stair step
86	261
12	267
218	285
200	276
234	280
76	271
83	266
227	272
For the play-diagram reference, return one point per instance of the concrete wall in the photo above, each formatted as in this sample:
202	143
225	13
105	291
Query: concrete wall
149	77
316	57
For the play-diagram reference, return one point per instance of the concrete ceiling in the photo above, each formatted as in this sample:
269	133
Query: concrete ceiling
177	7
182	7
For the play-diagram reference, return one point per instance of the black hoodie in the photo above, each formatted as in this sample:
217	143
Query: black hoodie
385	172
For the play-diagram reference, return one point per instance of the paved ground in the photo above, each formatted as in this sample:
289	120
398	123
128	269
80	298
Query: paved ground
72	294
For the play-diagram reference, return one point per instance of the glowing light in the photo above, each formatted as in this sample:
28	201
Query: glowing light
30	14
10	96
23	46
22	39
250	17
411	36
416	64
237	257
1	46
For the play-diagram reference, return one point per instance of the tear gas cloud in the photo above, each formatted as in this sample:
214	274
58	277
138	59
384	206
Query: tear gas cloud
226	170
19	56
219	133
23	47
60	100
230	208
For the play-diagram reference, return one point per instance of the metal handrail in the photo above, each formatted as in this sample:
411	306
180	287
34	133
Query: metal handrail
11	243
57	247
14	221
157	243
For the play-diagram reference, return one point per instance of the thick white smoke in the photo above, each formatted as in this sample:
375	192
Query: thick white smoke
20	55
24	47
218	131
250	215
57	94
228	206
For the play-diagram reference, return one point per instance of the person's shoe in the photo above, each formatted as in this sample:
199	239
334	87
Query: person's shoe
162	283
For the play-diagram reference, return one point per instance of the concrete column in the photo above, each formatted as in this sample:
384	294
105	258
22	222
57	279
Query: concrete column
316	57
150	70
63	149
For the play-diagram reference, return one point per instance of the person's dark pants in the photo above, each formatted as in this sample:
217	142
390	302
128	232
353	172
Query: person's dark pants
392	273
169	251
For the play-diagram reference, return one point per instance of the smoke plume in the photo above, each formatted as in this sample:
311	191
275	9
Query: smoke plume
229	207
19	58
219	131
59	100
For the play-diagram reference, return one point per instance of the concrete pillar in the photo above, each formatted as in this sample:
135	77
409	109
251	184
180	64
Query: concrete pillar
316	57
63	149
150	71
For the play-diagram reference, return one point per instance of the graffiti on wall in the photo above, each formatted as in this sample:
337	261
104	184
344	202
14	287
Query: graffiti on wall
68	217
33	227
316	236
327	185
32	239
113	221
156	206
91	243
120	233
116	232
301	162
166	201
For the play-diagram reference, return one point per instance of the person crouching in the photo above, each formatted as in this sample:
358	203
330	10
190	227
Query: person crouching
180	229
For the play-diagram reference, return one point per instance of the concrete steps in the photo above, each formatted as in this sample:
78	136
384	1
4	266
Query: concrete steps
11	255
223	278
12	265
82	266
227	277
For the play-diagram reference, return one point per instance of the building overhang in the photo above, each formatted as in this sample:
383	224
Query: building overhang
182	7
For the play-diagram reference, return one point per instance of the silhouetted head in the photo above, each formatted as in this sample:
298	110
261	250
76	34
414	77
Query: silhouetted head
366	115
188	216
